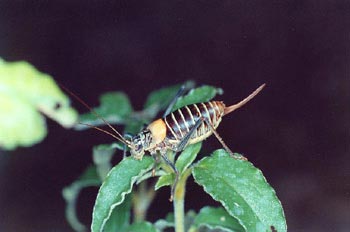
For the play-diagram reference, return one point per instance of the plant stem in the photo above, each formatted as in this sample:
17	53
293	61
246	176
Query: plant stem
179	210
179	202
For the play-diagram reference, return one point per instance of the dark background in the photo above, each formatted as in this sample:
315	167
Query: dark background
296	131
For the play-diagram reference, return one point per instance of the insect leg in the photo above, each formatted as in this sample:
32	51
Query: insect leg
188	136
201	120
185	87
179	93
172	165
221	140
179	148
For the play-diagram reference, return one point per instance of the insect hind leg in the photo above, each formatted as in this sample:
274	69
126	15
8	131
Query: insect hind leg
188	136
185	87
218	137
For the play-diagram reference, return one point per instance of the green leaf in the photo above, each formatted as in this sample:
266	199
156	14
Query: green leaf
120	217
189	219
25	93
201	94
165	180
162	224
186	157
89	176
102	155
141	227
160	99
216	218
116	186
70	194
168	222
242	190
134	126
20	123
184	160
114	107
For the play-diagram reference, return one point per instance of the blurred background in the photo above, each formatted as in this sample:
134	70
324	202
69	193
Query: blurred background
297	131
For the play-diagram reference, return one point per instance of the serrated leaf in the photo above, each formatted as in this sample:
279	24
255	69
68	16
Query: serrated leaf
242	190
164	180
141	227
216	218
70	194
201	94
25	93
117	184
114	107
186	157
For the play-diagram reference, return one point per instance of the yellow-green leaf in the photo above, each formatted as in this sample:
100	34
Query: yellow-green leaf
26	94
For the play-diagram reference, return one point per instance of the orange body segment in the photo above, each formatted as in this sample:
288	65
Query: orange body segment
158	130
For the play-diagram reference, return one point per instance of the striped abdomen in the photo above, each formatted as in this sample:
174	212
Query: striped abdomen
180	122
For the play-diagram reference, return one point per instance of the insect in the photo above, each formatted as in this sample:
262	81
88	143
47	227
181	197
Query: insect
175	131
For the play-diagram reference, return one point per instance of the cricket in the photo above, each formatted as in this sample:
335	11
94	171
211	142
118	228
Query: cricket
176	130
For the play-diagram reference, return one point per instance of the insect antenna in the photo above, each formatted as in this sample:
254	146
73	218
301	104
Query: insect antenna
120	138
104	131
234	107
